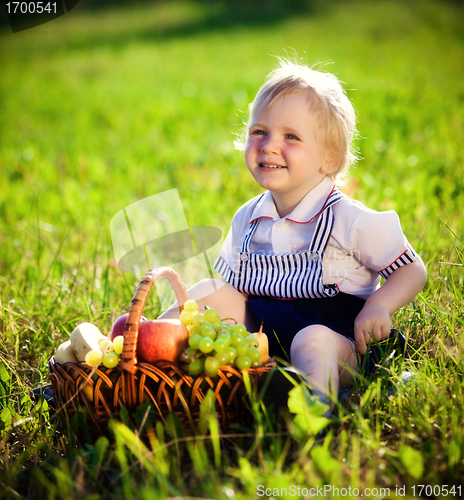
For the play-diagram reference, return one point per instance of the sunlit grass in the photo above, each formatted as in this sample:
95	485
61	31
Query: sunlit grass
103	108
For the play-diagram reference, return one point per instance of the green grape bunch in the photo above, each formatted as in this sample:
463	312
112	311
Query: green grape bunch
214	343
108	354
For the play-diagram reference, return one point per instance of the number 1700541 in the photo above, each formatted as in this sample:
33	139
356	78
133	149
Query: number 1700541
31	7
437	490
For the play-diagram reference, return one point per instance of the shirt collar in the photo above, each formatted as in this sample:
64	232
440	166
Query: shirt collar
308	208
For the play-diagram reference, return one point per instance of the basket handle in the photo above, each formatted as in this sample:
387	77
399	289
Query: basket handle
128	356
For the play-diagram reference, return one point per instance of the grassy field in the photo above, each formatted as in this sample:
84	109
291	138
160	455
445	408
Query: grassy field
102	108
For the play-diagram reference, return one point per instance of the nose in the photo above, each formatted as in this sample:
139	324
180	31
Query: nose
270	145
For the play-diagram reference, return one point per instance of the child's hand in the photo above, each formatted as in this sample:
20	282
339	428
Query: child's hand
374	319
372	322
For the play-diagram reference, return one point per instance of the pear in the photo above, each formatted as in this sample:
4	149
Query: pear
65	353
84	338
87	389
263	345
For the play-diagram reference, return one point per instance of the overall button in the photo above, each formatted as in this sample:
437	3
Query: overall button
314	256
243	257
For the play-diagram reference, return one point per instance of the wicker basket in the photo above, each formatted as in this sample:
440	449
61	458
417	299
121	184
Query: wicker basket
103	392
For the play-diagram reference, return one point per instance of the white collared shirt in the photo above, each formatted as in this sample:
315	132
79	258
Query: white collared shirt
364	245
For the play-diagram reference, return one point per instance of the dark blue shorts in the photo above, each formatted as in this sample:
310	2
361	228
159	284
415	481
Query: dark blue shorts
283	319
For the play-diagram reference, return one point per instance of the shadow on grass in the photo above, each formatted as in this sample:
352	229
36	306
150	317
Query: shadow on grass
221	13
213	15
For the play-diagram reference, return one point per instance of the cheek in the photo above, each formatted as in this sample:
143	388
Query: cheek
251	149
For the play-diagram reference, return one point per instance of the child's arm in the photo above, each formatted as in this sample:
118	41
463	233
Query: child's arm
400	288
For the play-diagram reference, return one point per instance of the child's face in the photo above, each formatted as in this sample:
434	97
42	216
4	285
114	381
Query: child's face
281	151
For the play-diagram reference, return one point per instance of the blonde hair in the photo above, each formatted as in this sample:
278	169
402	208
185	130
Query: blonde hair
332	111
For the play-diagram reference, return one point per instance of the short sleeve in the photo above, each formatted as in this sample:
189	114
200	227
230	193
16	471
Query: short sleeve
224	262
377	240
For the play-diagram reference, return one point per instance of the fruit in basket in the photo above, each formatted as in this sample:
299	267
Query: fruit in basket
161	339
118	344
196	367
106	345
243	362
211	367
110	360
87	389
84	338
65	353
214	343
118	326
263	345
93	358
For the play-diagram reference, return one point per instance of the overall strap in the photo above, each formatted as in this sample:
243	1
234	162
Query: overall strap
319	242
335	196
317	248
251	231
322	232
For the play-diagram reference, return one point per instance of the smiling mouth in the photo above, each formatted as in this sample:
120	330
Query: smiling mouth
266	165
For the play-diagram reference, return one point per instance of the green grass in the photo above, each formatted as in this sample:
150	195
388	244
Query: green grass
120	104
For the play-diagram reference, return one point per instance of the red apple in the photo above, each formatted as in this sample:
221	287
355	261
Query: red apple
161	339
119	325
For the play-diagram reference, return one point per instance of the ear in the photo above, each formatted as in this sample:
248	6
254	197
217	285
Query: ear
331	163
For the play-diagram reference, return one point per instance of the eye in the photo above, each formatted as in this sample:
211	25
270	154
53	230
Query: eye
292	137
257	132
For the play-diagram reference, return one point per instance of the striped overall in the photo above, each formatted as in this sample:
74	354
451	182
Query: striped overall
289	276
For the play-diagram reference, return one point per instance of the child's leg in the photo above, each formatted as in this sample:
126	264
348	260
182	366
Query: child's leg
226	300
323	354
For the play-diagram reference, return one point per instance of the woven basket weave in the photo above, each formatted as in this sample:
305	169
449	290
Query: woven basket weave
103	392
